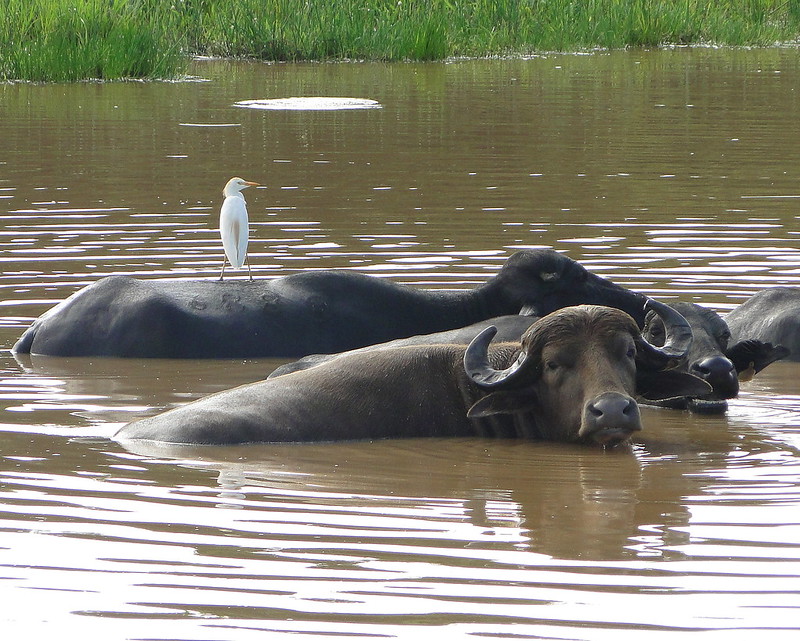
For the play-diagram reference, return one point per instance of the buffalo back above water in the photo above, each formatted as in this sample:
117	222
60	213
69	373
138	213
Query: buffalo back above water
509	329
311	312
771	315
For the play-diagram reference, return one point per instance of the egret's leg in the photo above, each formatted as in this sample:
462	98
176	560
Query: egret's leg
248	270
222	273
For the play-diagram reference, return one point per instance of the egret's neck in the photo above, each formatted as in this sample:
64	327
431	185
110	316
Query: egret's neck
233	193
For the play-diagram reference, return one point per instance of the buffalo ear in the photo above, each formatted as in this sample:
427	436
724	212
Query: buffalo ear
751	356
658	386
503	402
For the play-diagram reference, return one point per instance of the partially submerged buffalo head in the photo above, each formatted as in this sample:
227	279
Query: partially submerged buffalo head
711	358
540	281
579	370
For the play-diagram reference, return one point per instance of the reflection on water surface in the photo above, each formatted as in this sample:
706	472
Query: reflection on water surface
672	172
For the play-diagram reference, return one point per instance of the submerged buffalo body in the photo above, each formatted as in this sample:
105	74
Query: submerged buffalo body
572	378
306	313
716	359
771	315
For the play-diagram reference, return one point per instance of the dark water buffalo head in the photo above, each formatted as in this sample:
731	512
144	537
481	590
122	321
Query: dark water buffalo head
540	281
711	358
578	372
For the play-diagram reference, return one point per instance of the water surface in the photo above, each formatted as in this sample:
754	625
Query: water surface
671	172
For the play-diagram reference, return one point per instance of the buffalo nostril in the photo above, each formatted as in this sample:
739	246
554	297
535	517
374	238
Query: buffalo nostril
611	406
611	416
720	373
712	366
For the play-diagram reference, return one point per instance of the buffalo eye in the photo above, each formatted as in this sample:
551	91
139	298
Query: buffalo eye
723	338
551	366
631	353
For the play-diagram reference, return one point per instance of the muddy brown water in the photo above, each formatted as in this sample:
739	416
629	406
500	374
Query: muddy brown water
672	172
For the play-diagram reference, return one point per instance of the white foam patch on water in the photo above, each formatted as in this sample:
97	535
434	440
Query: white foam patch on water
210	124
310	103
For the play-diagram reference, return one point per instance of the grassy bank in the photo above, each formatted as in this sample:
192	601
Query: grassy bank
63	40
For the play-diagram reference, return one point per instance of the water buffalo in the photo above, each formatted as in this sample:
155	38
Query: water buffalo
770	315
310	312
709	358
712	358
572	378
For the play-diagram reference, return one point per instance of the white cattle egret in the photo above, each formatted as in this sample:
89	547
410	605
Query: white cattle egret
233	224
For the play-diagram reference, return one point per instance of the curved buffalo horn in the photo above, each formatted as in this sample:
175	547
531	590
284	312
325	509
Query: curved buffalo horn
477	366
677	342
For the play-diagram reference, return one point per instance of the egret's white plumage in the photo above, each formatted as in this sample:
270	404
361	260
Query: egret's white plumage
233	224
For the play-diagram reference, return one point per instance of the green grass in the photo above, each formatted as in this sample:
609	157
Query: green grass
67	40
59	40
